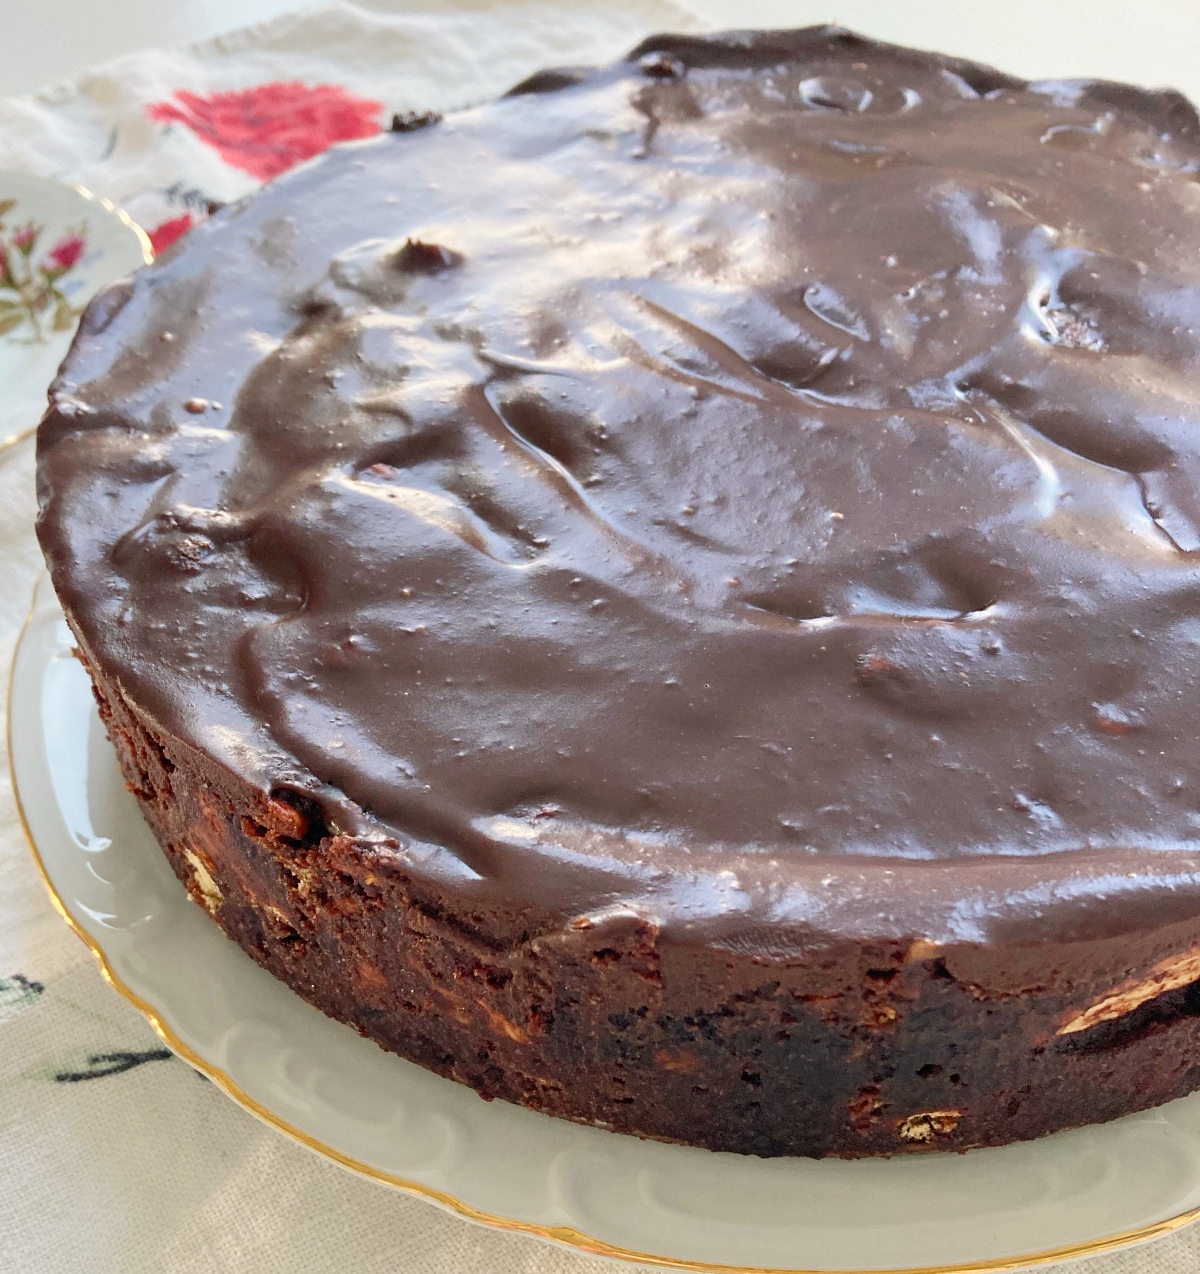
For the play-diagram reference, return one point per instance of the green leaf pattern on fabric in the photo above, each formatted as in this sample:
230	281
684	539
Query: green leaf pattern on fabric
18	990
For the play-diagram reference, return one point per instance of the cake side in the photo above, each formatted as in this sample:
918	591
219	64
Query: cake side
854	1049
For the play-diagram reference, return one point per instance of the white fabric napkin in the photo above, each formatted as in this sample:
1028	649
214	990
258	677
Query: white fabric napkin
114	1156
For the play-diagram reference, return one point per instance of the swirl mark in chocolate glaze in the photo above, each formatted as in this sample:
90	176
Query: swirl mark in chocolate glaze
765	457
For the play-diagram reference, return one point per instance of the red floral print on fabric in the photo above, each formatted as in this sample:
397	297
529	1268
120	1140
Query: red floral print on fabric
165	234
267	129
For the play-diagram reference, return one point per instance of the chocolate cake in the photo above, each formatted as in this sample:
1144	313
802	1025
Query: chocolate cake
673	598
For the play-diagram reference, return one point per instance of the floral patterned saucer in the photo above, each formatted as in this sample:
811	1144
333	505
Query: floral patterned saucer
59	245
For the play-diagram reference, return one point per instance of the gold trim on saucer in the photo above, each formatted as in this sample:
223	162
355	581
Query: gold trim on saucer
12	439
121	215
565	1235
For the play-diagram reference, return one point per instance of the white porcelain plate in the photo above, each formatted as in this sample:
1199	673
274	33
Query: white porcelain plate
59	245
1075	1192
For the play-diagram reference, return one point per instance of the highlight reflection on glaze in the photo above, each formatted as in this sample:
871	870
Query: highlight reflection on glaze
726	494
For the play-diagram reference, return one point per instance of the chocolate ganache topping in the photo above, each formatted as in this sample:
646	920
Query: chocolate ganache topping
754	486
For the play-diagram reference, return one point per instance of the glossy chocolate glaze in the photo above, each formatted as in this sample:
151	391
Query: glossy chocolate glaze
753	486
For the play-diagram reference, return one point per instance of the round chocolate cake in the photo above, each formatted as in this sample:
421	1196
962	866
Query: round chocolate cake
673	598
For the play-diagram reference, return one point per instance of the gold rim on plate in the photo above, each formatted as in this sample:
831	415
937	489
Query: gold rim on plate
565	1235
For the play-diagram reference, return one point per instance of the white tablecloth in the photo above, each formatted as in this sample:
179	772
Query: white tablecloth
115	1156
